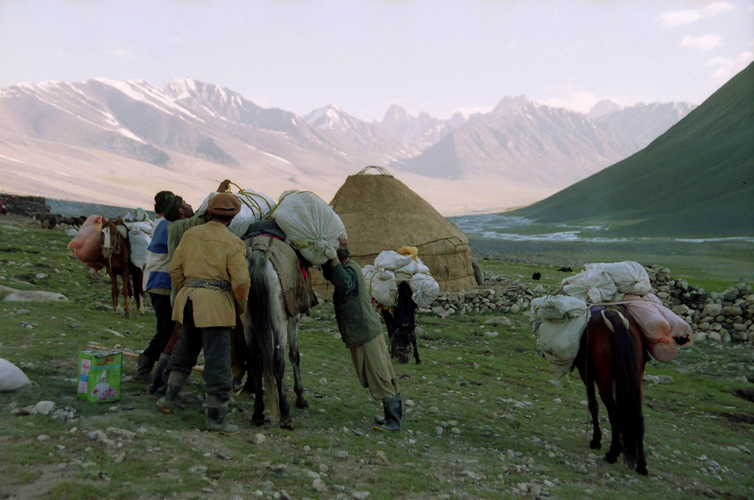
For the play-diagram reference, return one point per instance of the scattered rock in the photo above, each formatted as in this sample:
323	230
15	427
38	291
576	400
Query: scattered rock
319	485
224	455
341	454
43	437
381	458
258	439
455	430
322	381
43	408
198	469
360	495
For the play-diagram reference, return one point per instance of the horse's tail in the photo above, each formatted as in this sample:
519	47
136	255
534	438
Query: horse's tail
263	327
627	389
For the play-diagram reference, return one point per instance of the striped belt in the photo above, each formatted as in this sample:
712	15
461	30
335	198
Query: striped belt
222	285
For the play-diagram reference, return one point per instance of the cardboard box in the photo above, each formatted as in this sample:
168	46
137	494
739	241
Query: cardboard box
99	376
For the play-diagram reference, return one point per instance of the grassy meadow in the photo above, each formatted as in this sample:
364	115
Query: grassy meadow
486	417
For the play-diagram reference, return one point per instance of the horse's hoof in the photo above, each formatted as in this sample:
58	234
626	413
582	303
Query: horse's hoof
611	459
302	403
127	315
287	423
595	445
418	361
403	361
257	420
642	469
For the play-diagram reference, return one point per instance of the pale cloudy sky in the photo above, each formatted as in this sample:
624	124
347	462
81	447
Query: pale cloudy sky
426	55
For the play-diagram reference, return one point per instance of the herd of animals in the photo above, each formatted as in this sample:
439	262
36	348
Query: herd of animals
612	354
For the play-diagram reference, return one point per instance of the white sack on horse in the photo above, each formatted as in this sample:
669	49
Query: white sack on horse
594	286
629	277
11	377
562	321
425	289
383	287
310	224
254	206
392	261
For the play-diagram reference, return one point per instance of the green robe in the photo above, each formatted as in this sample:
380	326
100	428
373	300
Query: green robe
358	320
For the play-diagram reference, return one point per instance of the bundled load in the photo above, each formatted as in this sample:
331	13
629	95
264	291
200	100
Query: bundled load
560	321
254	206
311	225
392	268
86	244
140	230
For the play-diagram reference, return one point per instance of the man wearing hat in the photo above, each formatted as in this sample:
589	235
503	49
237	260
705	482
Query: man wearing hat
361	330
209	270
169	208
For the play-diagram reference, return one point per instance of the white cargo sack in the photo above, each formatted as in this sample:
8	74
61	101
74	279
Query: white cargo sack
594	286
11	377
310	224
562	321
139	238
629	277
254	206
382	286
425	289
392	261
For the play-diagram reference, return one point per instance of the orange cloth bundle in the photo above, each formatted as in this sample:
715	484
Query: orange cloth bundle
662	329
86	243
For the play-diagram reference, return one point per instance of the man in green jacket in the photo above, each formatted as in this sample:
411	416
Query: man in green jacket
361	330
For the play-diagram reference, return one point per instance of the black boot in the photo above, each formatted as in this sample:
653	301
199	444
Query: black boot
216	412
393	408
167	403
144	370
159	371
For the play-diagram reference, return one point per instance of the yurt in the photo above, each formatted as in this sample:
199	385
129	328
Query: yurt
381	213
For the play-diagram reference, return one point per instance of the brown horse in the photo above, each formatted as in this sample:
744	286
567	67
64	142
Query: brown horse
116	259
613	356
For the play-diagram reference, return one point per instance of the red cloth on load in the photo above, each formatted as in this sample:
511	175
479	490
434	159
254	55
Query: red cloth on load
660	327
86	243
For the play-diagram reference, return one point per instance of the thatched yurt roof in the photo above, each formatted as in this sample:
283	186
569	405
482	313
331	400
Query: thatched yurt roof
381	213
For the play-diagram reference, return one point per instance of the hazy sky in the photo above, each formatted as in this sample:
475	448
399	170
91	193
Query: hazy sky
435	56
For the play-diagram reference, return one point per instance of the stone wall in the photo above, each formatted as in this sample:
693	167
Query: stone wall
28	206
720	317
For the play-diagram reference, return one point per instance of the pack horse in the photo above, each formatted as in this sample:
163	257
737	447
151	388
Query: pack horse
115	257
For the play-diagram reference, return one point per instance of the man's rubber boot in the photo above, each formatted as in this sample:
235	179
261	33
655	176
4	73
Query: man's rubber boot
216	413
144	370
393	408
177	380
159	371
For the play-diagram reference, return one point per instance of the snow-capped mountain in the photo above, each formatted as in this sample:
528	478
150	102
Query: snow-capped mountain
114	141
602	109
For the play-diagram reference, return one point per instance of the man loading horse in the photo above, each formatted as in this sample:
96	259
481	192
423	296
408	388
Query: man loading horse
361	330
169	208
209	270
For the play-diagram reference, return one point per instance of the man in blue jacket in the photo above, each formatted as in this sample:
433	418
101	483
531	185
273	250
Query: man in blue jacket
169	207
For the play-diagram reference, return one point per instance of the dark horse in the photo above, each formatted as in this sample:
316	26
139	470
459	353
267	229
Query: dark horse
401	325
115	258
268	329
613	356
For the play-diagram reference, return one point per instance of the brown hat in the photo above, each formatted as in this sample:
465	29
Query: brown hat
224	204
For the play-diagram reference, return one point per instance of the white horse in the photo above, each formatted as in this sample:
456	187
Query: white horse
269	330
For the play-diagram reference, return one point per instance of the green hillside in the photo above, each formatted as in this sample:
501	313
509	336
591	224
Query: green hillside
697	179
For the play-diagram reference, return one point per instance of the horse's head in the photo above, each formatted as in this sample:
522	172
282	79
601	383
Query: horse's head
110	237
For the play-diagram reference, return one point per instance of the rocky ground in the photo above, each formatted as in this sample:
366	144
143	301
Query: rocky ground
485	417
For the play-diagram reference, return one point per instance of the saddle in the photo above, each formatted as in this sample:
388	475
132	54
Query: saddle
294	279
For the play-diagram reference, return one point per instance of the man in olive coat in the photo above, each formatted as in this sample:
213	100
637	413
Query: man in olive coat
361	330
209	271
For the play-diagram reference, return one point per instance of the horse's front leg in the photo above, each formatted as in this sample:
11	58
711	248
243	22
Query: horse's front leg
138	277
126	298
594	409
415	342
295	357
114	290
278	366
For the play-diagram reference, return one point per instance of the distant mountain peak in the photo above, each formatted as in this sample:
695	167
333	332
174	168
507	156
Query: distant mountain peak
603	108
509	104
328	117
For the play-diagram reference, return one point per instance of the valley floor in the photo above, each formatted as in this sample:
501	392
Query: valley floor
486	417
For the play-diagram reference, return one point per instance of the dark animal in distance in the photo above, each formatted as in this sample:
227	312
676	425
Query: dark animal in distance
612	355
48	221
115	257
536	276
401	325
565	270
